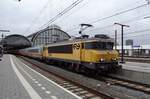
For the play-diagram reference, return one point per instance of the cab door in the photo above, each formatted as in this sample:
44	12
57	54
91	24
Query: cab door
77	51
83	52
45	53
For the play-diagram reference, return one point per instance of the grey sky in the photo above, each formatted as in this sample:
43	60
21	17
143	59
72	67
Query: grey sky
19	16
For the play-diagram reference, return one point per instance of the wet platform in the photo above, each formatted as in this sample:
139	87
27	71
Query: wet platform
18	81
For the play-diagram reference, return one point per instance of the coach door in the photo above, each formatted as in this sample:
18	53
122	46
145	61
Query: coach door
77	51
45	52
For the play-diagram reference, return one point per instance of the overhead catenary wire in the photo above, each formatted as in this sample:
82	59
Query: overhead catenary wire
74	4
134	33
73	12
126	21
137	33
37	17
65	11
116	14
132	20
119	13
112	25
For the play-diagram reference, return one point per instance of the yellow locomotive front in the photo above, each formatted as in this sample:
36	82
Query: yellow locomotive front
99	55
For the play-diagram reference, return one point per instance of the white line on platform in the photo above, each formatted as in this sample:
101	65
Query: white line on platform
24	71
48	92
33	94
53	97
34	79
43	88
50	80
39	84
36	82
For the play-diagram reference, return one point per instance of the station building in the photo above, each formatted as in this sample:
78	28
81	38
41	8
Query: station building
138	50
15	42
48	35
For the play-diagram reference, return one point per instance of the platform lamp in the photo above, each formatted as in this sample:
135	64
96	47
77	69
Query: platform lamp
122	49
2	40
2	33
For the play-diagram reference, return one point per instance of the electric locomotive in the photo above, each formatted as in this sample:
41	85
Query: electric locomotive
94	54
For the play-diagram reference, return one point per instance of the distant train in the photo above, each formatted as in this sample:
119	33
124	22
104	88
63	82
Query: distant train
89	54
1	51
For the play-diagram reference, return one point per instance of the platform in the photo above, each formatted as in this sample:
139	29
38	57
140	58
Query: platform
18	81
136	66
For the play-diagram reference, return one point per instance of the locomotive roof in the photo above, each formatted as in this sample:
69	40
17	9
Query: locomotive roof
80	40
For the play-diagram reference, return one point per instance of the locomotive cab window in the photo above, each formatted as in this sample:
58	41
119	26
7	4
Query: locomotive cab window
99	45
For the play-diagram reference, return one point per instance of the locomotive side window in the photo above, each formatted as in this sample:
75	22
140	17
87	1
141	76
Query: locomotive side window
60	49
99	45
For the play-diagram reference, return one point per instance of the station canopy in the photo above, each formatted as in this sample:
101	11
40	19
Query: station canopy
15	42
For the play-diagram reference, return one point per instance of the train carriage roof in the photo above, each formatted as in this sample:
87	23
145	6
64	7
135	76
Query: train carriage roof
79	41
36	47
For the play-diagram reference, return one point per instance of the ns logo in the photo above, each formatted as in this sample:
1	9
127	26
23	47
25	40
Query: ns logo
76	46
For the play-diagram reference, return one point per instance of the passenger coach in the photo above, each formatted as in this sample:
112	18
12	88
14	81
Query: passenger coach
33	52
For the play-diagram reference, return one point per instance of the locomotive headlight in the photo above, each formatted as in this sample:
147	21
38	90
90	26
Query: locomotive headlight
114	59
101	59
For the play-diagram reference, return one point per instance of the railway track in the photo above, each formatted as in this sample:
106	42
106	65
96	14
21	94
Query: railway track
74	87
126	83
88	92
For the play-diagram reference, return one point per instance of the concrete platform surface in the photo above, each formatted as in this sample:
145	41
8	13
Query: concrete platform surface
136	66
18	81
